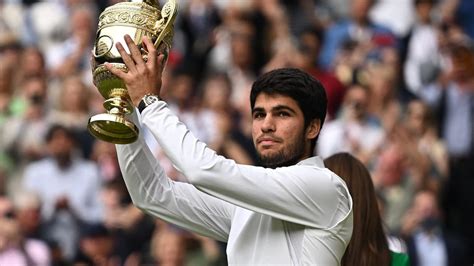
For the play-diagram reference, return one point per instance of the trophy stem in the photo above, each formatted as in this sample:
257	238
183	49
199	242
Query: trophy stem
113	126
118	102
118	106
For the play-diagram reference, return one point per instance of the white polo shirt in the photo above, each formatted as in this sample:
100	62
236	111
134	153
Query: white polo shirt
301	214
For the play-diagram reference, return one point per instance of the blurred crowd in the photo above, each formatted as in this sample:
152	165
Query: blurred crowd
399	76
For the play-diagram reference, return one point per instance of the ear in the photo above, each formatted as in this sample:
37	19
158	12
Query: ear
313	128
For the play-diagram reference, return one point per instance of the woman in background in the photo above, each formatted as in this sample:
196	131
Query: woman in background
368	245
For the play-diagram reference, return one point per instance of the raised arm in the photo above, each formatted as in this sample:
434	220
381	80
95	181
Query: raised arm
175	202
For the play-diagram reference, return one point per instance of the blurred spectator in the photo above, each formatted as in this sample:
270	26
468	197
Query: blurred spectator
205	251
399	172
183	100
6	92
5	202
335	10
129	227
350	62
10	53
234	55
168	247
384	104
276	33
103	153
354	131
423	57
10	49
357	28
216	94
69	189
32	63
306	56
31	91
229	140
73	54
17	246
10	11
453	98
17	250
44	33
241	69
72	111
421	128
303	14
96	247
172	246
389	12
27	210
459	11
197	21
395	243
22	133
10	252
428	242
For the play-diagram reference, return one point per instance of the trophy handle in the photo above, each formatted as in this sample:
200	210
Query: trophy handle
164	25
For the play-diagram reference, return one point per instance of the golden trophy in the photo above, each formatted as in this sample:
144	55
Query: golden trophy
136	18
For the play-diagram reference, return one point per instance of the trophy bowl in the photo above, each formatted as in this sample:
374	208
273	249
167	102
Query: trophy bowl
136	18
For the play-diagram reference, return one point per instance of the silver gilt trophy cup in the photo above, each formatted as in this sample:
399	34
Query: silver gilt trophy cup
136	18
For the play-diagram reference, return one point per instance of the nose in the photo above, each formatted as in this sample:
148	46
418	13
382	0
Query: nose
268	124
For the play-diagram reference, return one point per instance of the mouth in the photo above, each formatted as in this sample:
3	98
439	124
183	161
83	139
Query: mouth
267	141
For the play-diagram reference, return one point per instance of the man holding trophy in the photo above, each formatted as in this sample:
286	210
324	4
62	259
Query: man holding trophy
290	210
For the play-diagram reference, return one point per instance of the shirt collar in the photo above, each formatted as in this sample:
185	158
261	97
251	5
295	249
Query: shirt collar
315	160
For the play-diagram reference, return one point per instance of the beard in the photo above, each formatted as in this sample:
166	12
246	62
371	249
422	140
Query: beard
285	157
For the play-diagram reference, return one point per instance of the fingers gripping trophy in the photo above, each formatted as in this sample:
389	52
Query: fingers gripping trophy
136	18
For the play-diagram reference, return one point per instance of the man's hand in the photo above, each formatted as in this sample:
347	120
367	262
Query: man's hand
142	77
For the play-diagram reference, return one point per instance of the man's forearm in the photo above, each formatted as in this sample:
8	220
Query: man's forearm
178	203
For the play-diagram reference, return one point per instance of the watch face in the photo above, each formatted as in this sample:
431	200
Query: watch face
149	99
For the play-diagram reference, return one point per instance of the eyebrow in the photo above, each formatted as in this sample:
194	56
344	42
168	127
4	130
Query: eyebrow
275	109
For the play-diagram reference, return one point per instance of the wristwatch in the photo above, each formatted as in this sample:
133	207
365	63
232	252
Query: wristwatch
146	101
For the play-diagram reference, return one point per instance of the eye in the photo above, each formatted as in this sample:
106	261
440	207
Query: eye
283	114
258	115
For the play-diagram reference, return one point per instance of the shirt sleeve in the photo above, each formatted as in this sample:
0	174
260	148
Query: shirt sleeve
302	194
175	202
